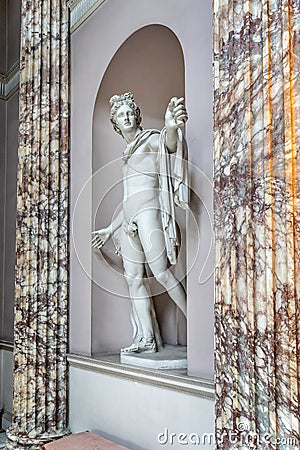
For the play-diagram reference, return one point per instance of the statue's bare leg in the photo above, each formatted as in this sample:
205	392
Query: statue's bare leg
133	261
153	243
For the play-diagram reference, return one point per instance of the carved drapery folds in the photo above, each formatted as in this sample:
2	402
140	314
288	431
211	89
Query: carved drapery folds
257	195
39	407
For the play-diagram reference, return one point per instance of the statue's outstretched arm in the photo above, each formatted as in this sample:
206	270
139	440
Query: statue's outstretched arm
100	237
175	117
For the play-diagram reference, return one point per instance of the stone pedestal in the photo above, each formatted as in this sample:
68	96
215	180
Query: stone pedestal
169	357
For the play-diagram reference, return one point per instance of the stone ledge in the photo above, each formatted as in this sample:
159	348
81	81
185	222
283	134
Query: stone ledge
6	345
110	365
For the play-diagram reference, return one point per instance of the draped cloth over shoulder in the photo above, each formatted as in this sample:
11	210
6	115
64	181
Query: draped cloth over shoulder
136	143
173	185
173	189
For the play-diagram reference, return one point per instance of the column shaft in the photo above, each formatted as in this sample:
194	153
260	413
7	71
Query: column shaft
257	179
41	294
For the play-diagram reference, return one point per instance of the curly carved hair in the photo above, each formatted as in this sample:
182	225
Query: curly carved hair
124	99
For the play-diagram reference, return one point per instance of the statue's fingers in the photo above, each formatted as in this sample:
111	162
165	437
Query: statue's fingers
172	103
179	101
179	109
98	245
180	114
182	117
96	241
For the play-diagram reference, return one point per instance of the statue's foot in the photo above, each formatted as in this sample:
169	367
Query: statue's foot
144	345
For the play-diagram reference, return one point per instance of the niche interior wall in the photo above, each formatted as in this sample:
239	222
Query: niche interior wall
94	45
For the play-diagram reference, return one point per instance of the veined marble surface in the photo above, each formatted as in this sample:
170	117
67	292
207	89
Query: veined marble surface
39	404
256	63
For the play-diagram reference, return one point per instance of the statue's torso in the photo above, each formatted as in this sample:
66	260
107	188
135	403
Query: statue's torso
140	180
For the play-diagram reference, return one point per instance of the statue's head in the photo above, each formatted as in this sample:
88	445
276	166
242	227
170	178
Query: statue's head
120	100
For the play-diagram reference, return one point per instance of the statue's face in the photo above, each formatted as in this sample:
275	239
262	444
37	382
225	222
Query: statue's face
125	119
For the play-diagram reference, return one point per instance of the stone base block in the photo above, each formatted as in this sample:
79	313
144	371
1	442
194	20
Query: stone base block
169	357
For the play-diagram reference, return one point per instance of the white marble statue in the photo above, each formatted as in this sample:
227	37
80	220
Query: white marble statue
145	228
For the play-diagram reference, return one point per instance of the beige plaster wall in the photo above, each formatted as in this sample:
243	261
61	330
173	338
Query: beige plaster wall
3	36
12	113
13	31
2	204
9	54
6	385
135	414
93	46
2	147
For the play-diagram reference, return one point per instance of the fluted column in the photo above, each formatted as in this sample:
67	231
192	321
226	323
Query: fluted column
257	223
41	295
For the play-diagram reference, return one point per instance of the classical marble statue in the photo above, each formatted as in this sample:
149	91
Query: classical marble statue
145	228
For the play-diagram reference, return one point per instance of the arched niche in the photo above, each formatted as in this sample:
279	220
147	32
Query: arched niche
150	64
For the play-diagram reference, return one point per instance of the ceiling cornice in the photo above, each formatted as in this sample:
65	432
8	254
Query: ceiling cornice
9	82
80	10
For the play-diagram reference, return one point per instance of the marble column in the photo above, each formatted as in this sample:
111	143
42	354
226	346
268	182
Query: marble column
257	223
41	295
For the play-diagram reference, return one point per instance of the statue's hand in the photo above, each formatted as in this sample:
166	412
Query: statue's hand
99	237
176	114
